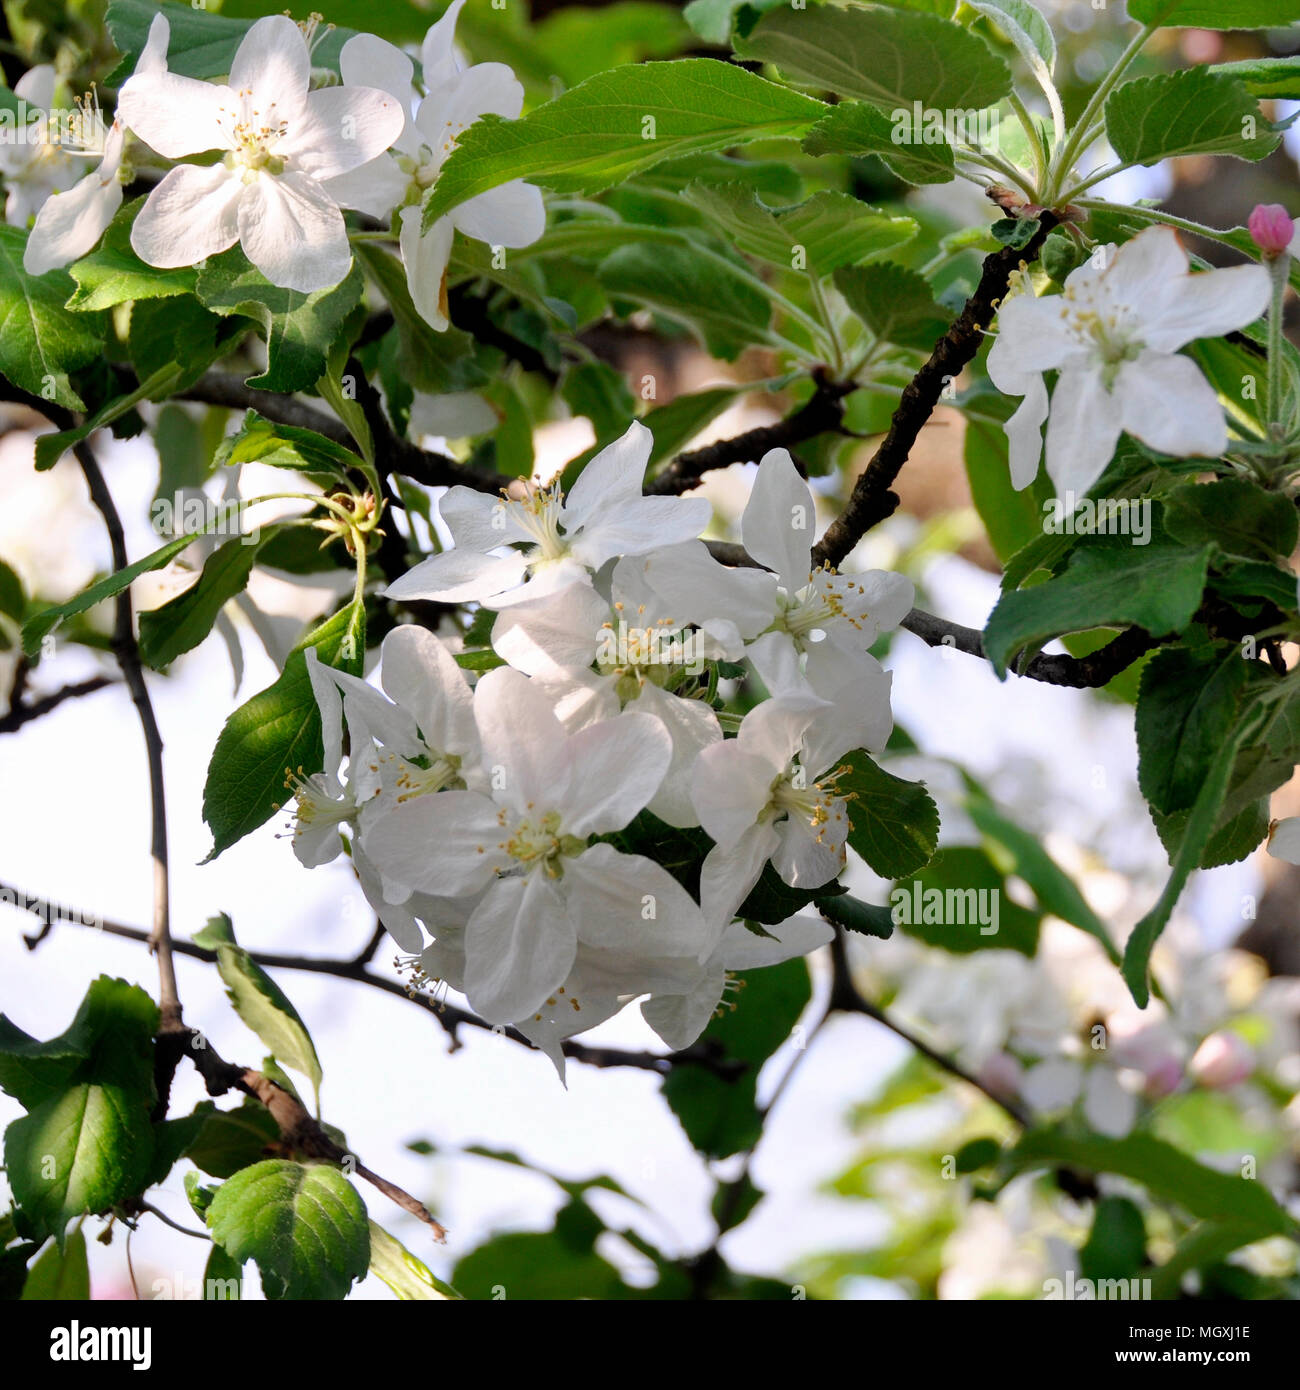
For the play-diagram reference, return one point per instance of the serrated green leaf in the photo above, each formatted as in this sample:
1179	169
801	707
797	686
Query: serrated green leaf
277	730
61	1275
1025	25
1188	112
857	128
222	1277
617	123
112	273
260	440
298	328
1240	516
895	823
40	340
408	1277
890	58
50	448
895	303
1216	14
304	1225
232	1139
1275	78
868	919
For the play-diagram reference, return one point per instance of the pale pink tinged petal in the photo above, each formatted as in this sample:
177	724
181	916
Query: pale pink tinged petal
425	255
519	948
1052	1085
730	791
695	587
1167	403
70	224
680	1018
1145	266
512	214
808	858
693	727
438	51
562	629
420	673
36	86
1082	430
1031	339
776	659
368	61
742	949
774	730
293	233
629	903
341	128
178	115
1284	840
192	214
1025	434
523	741
273	64
458	576
1207	305
638	526
779	520
616	768
729	875
432	844
1107	1106
611	480
375	188
478	521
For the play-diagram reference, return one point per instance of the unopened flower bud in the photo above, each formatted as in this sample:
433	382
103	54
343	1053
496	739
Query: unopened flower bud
1221	1061
1271	229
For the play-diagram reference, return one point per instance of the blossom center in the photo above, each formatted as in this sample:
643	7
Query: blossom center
540	843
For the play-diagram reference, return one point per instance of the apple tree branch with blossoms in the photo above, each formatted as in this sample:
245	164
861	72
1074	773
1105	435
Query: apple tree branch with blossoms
588	741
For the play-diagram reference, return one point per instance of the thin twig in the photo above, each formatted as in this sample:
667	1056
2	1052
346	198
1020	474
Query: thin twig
20	714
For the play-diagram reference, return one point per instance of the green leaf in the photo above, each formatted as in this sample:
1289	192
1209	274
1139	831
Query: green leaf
223	1280
260	440
896	304
433	362
13	603
1116	1245
833	229
856	128
1013	518
261	1003
1200	825
60	1274
183	622
867	919
1020	853
1216	14
408	1277
1236	514
1166	1172
40	623
1187	704
298	328
1026	26
113	273
959	902
1187	112
278	730
542	1265
177	333
1107	583
617	123
1275	78
42	341
304	1225
728	310
600	394
888	57
50	448
895	823
86	1142
232	1139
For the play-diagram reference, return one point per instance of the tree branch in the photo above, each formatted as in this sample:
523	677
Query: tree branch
871	500
20	714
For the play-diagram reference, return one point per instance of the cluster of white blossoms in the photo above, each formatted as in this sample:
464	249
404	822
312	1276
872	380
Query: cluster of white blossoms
294	154
484	821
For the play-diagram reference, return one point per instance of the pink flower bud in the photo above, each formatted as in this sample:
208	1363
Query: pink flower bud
1271	229
1162	1078
1221	1061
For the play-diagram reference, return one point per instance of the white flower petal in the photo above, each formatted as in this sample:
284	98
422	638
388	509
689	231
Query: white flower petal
1208	305
458	576
1167	403
625	902
432	844
615	768
273	64
425	255
693	727
742	949
342	128
1082	431
611	480
1025	434
512	214
779	520
519	947
523	742
1284	840
729	875
70	224
293	233
420	673
1107	1106
561	629
639	526
680	1018
809	856
696	588
438	52
730	790
177	115
192	214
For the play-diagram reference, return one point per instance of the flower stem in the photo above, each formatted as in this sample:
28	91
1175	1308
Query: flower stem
1278	269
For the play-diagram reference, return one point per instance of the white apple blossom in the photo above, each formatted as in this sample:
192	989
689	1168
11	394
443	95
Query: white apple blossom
454	97
759	800
34	168
805	629
282	142
1284	839
529	843
1114	335
71	222
567	537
